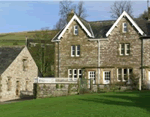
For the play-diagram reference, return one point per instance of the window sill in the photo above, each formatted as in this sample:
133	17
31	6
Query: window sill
124	55
75	57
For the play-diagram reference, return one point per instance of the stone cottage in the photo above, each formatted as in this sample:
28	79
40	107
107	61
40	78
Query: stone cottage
17	72
103	50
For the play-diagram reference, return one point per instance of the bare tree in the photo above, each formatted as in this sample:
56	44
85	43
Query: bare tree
119	6
81	11
65	8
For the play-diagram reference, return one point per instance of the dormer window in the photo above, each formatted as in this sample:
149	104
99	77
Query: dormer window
75	30
124	27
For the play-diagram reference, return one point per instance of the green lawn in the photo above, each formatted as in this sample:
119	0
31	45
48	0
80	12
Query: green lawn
125	104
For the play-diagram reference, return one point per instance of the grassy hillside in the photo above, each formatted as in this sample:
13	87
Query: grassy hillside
9	39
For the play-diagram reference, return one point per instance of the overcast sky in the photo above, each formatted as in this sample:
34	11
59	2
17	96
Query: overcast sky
27	16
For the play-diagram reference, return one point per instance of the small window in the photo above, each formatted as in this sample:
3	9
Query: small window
74	73
24	64
9	84
78	50
124	73
124	49
73	50
107	75
75	30
27	83
124	27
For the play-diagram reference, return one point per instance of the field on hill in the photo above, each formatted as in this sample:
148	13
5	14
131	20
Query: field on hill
112	104
10	39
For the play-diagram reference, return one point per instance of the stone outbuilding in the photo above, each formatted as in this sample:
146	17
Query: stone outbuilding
17	72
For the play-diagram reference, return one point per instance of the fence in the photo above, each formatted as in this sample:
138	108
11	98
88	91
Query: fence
55	80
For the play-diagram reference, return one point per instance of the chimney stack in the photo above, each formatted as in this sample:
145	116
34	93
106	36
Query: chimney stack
70	15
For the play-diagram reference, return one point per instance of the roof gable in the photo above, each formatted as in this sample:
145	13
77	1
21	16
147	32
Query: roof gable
130	19
61	33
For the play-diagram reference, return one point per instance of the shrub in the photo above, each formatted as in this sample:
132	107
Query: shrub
83	86
134	81
57	86
15	43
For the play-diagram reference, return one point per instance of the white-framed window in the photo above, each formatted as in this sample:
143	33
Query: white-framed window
124	73
78	50
119	74
92	76
79	73
74	73
73	50
124	49
107	77
124	27
69	73
127	49
75	30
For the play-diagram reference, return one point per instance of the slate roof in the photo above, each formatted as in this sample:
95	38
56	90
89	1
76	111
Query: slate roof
100	28
144	25
7	56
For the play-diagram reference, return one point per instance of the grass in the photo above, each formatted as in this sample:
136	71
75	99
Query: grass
8	38
122	104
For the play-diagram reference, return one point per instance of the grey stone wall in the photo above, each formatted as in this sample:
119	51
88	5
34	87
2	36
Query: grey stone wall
54	90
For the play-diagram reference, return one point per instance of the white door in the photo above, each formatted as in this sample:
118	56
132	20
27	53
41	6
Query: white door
106	77
92	76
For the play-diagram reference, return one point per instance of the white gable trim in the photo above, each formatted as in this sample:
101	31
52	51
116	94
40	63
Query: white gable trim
77	19
130	19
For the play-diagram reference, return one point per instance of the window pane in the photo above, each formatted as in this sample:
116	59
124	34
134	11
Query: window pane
119	74
73	50
122	49
107	75
76	30
128	49
125	74
78	50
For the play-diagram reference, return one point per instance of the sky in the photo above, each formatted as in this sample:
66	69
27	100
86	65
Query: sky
18	16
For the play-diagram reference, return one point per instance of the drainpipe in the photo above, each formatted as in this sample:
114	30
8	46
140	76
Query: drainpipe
141	78
58	60
98	61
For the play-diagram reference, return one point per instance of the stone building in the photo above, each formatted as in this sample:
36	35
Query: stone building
103	50
17	72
